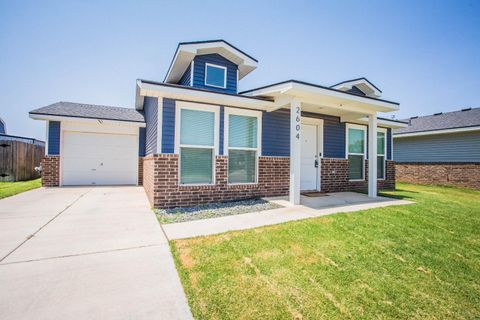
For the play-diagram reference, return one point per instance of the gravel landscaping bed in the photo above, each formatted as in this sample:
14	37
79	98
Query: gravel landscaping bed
213	210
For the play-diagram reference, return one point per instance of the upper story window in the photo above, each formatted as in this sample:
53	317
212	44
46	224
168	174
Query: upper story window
215	75
242	142
197	142
356	150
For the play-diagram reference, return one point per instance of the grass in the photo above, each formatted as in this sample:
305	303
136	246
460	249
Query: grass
419	261
8	189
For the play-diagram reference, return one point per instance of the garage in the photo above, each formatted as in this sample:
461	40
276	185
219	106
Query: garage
91	158
91	144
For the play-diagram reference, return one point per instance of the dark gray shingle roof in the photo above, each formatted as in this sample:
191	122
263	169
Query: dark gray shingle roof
449	120
82	110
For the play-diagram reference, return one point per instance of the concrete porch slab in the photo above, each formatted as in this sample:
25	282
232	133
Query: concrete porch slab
310	207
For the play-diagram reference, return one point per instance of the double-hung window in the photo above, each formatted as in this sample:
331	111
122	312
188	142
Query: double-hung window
242	142
196	141
381	153
356	150
215	76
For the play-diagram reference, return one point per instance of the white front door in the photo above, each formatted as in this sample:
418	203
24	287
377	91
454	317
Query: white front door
309	158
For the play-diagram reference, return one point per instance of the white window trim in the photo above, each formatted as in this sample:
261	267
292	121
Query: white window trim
364	129
224	75
258	149
384	152
197	107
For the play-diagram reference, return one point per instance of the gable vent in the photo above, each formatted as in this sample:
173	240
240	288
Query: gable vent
467	109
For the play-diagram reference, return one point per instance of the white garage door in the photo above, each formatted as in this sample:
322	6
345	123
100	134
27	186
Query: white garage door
99	159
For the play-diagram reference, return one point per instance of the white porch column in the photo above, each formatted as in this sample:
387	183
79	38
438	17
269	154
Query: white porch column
372	155
295	131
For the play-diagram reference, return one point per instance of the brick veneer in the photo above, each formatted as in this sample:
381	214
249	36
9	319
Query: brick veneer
160	180
140	171
334	176
454	174
50	171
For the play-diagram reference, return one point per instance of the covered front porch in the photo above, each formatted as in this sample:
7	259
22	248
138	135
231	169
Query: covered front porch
308	105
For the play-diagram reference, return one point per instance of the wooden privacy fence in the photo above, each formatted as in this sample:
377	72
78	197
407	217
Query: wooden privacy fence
18	158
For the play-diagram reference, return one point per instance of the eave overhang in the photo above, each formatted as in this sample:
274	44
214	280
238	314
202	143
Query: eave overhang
324	96
146	88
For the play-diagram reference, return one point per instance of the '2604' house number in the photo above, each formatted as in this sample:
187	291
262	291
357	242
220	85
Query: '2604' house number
297	121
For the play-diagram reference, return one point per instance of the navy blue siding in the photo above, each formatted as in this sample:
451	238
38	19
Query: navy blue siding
168	126
185	79
389	143
54	137
150	107
276	133
333	135
2	127
199	72
222	117
141	142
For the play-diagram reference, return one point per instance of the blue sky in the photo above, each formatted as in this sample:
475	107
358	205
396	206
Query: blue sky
423	54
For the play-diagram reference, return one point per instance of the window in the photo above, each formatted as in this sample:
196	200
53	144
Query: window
215	76
242	140
381	152
196	142
356	149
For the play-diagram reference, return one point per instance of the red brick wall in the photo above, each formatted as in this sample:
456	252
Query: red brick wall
140	171
50	171
160	174
334	177
454	174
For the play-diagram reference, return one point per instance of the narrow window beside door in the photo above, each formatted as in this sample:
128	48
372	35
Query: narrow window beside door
381	149
356	149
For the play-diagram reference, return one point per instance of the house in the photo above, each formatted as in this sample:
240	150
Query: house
3	127
194	138
443	148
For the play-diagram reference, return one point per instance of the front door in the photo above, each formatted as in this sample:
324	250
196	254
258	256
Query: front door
309	159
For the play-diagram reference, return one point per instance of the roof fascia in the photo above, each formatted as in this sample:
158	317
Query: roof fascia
433	132
50	117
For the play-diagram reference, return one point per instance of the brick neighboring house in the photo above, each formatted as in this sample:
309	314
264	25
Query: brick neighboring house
194	138
443	148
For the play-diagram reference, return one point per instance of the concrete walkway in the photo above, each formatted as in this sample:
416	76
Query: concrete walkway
86	253
310	208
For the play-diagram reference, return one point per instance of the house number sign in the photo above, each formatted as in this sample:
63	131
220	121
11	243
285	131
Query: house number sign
297	122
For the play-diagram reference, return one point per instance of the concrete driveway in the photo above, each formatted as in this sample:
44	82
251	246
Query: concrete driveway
86	253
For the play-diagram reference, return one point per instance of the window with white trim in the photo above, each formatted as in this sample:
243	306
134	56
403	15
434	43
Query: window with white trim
242	140
356	151
381	152
197	143
215	75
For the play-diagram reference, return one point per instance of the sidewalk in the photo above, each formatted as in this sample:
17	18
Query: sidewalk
314	207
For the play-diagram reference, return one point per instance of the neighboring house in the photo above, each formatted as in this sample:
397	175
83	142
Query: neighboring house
3	127
193	138
443	148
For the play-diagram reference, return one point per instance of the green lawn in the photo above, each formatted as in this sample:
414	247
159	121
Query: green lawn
8	189
419	261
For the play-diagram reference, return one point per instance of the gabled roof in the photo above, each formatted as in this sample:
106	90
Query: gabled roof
361	84
89	111
316	86
186	51
465	118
